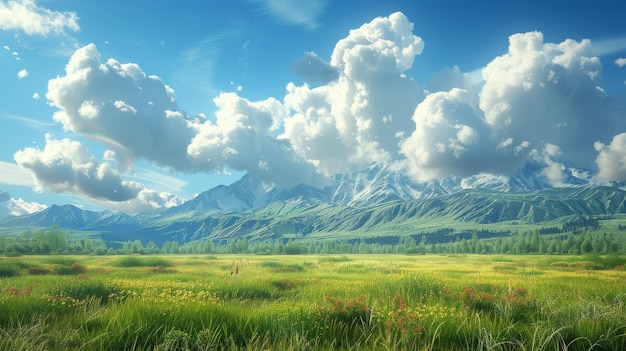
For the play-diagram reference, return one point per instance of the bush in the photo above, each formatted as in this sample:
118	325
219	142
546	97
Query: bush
133	261
349	311
342	258
38	271
590	265
8	269
175	340
560	264
74	269
613	260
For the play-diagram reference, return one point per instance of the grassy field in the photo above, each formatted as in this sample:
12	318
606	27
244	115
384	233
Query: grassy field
354	302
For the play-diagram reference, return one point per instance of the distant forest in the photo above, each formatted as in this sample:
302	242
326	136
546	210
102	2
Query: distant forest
568	239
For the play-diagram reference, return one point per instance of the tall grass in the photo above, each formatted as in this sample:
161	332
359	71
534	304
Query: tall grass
283	303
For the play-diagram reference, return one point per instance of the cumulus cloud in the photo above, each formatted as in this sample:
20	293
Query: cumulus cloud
137	116
548	93
611	159
22	74
17	207
242	139
32	19
450	138
538	102
65	166
118	104
360	117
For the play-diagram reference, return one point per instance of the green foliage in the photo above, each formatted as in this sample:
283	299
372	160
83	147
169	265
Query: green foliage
38	270
9	269
70	269
278	267
82	291
134	261
334	259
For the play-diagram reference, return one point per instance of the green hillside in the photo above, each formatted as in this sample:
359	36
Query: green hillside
473	208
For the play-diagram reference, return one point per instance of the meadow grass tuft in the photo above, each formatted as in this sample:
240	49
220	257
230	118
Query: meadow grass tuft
284	303
134	261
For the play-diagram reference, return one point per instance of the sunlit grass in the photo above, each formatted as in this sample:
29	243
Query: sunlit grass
356	302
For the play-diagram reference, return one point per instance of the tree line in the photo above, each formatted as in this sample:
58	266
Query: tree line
57	241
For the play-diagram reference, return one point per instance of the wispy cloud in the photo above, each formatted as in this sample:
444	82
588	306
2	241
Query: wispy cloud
157	180
27	16
31	122
13	174
608	46
303	13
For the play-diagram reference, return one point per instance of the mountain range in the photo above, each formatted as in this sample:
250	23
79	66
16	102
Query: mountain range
375	201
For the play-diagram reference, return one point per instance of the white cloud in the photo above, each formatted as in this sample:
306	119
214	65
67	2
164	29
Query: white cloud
64	166
295	12
611	159
548	93
242	139
36	96
358	118
621	62
122	107
17	207
32	19
158	180
609	46
22	74
451	138
538	102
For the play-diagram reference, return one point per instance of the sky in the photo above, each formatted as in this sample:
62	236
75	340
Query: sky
139	106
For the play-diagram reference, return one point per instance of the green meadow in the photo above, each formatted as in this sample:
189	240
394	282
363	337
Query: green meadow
312	302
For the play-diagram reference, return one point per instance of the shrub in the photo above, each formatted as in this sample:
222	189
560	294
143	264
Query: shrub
175	340
8	269
73	269
613	260
591	265
342	258
560	264
38	271
283	267
479	301
133	261
349	311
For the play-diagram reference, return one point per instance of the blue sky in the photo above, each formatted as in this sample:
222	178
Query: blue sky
137	106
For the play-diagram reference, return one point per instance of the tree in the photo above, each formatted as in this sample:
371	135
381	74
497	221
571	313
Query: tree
137	247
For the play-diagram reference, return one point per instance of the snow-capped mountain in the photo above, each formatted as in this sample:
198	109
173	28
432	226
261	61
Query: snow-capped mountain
72	217
376	199
246	193
375	184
